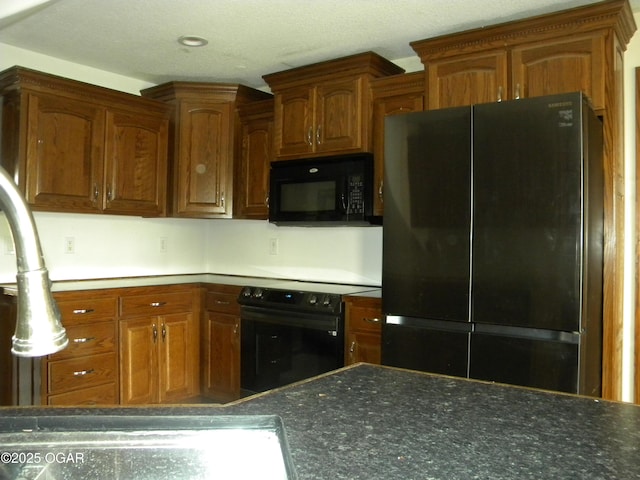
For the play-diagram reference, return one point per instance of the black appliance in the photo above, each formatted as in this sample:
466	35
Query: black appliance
289	334
322	191
493	243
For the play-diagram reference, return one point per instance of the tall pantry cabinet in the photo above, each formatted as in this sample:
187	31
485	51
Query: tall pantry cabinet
576	50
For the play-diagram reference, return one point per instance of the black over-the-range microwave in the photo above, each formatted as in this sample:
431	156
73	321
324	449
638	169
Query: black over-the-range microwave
329	191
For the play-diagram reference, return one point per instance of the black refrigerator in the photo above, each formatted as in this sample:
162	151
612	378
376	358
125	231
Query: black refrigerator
493	243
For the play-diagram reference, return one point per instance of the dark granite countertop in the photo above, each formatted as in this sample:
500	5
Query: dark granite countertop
371	422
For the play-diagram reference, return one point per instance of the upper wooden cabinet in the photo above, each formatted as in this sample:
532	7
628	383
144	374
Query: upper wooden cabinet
391	96
251	190
556	53
326	107
74	147
205	126
581	49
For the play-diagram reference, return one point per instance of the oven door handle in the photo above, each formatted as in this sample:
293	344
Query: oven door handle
293	319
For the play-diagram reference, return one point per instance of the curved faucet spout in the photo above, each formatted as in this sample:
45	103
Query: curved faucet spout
39	330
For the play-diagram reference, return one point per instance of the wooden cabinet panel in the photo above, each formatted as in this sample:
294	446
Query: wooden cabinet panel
221	344
88	339
363	330
138	361
106	394
159	352
177	358
338	117
575	64
393	95
295	128
251	189
136	164
65	153
206	155
85	308
326	107
222	381
161	302
469	79
78	373
86	372
75	147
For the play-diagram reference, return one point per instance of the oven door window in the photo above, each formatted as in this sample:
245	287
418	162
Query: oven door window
276	355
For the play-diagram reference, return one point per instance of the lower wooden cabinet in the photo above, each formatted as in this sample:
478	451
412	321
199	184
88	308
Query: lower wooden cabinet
86	372
363	330
221	344
159	345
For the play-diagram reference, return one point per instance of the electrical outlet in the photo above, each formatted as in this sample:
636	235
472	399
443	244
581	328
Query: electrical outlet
163	244
70	245
273	246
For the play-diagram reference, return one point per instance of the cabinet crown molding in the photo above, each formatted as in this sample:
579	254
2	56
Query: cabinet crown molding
17	78
367	63
614	14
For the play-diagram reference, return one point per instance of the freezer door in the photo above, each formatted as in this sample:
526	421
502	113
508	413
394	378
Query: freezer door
427	346
427	214
544	359
528	213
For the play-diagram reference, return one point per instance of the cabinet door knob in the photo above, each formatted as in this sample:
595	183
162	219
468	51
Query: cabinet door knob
381	190
372	320
164	332
155	333
310	136
319	135
499	93
352	348
517	95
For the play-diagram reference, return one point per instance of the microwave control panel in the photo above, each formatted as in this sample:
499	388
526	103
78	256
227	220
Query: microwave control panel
355	204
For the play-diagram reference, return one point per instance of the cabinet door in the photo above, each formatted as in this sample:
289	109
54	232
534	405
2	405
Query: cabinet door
294	122
363	347
205	159
139	361
136	164
177	357
577	64
338	116
467	80
382	108
252	187
64	154
222	367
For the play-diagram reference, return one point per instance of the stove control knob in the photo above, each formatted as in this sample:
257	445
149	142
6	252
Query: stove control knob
258	293
327	301
246	292
313	300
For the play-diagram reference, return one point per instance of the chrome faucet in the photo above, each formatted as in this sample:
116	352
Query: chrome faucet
39	330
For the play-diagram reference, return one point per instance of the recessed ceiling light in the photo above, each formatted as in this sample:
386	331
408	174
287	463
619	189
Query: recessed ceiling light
192	41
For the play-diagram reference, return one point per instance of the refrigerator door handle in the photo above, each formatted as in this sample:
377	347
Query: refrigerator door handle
527	332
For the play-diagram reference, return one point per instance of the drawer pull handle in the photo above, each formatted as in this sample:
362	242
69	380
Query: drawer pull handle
83	311
372	320
222	302
83	340
82	373
353	347
157	304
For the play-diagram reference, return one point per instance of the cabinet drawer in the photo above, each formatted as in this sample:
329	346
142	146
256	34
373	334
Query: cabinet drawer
77	373
101	395
223	302
156	304
365	318
86	311
88	340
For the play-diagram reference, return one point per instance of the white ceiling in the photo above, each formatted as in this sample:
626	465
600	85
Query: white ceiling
247	38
